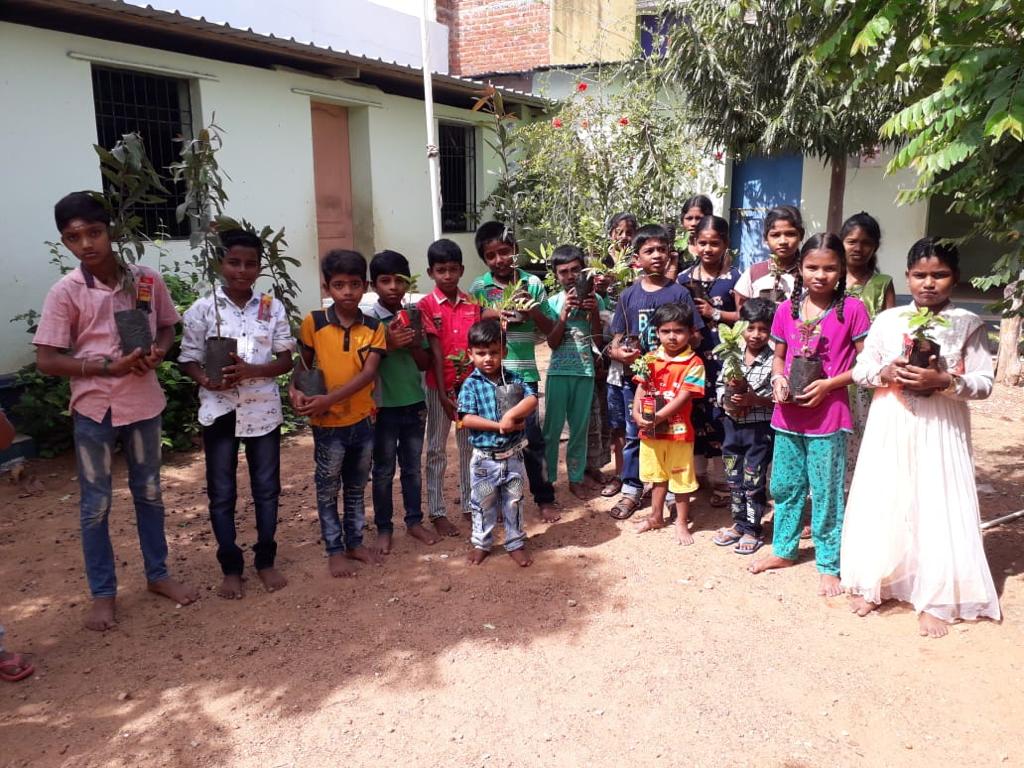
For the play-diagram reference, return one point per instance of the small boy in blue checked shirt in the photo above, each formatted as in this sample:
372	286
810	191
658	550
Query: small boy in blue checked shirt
496	467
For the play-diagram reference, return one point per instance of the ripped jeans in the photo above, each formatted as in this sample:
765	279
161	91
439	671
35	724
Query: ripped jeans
94	449
498	486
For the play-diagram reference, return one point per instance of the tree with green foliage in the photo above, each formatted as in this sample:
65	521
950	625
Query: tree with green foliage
959	65
753	87
621	141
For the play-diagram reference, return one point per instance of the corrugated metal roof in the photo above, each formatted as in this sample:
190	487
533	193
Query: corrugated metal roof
184	23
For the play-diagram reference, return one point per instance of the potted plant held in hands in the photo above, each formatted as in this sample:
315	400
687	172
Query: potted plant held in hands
309	381
652	401
806	366
204	201
730	352
920	346
513	304
409	315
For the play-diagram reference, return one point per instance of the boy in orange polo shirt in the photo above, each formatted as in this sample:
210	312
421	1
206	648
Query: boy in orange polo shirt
676	376
348	347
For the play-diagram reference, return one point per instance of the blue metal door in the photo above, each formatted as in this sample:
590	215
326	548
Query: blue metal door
758	184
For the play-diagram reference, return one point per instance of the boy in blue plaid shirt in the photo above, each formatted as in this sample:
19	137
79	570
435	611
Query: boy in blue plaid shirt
496	467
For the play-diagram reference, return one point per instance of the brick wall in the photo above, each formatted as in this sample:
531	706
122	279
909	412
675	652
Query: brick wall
496	35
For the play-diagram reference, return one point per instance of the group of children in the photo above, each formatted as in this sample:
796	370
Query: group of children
632	373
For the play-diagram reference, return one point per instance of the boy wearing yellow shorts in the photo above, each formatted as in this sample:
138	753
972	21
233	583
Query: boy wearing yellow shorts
670	378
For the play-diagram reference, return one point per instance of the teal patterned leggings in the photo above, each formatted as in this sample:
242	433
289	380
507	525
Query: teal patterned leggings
818	463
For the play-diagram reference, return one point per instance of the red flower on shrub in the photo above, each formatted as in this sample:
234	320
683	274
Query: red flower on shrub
584	123
718	156
556	122
581	87
623	121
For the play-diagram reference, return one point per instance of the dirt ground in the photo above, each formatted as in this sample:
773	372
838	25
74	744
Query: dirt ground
612	649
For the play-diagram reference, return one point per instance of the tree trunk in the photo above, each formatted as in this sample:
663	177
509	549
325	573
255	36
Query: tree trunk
836	193
1008	368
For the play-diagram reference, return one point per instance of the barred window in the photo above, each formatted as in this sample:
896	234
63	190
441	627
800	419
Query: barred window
457	144
159	108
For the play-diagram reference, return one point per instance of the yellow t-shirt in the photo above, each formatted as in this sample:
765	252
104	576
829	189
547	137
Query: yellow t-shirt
341	353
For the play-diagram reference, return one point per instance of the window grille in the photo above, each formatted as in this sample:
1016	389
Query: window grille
158	108
457	144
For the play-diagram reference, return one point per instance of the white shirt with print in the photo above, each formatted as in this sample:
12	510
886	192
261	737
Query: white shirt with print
261	334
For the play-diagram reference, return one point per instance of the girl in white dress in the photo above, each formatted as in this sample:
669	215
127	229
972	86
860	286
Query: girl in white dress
911	529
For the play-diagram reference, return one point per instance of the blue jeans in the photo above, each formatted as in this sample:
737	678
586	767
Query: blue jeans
342	464
631	485
398	433
263	454
497	486
746	454
94	449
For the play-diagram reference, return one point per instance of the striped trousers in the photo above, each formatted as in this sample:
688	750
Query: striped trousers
438	428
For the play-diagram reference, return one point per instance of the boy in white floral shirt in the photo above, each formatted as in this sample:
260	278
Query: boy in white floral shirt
245	406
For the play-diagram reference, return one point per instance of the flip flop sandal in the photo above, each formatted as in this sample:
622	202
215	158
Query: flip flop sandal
720	499
751	541
726	537
612	488
624	508
15	668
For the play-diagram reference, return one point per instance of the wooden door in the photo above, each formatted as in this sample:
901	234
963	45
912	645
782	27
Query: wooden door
332	177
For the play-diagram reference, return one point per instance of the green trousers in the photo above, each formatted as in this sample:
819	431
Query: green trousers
818	463
567	398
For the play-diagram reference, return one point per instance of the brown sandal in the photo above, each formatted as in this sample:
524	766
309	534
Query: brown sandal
624	508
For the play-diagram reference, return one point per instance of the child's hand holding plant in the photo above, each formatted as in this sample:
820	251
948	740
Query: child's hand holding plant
400	336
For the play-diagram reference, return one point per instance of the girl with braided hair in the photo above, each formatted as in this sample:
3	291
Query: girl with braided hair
811	428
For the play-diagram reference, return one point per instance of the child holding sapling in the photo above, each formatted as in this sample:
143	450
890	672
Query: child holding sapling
519	296
668	380
570	384
348	347
494	405
819	328
774	278
911	532
711	282
401	411
745	394
634	335
448	314
243	406
115	394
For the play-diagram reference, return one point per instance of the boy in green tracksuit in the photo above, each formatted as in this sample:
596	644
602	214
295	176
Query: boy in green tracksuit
570	382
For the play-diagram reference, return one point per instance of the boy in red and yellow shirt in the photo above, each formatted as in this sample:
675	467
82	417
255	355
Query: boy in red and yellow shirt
666	440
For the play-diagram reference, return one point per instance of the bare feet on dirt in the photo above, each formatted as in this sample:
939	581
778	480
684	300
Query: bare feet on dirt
173	590
272	579
100	617
382	546
232	588
931	626
650	524
548	513
338	565
829	586
860	606
444	526
363	555
770	563
477	556
521	557
420	533
683	535
579	490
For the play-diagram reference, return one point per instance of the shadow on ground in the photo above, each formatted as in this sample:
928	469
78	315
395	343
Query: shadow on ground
185	670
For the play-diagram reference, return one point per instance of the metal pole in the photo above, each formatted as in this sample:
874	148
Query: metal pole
433	156
1003	519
